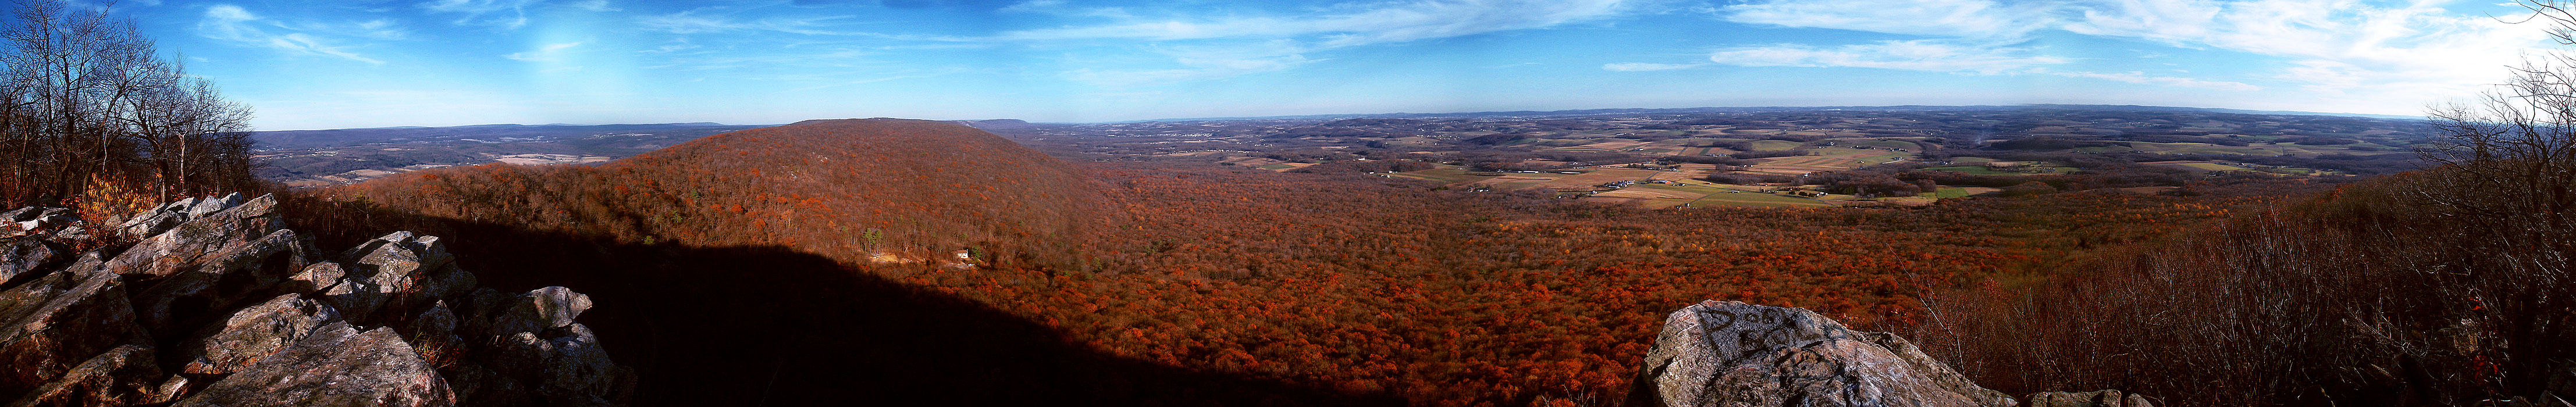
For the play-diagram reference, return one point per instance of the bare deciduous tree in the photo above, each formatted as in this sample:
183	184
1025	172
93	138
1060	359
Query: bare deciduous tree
86	98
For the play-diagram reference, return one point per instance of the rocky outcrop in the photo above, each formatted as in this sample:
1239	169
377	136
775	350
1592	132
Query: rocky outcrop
1734	354
334	366
253	332
215	302
121	376
2097	398
55	322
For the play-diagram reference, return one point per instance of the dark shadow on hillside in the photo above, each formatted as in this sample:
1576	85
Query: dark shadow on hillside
775	326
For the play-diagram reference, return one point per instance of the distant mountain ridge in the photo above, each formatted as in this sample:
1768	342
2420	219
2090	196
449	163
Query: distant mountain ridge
1690	110
288	139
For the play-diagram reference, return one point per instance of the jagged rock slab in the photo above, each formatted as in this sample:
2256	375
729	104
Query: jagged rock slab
184	246
397	276
2097	398
254	332
334	366
315	278
119	377
57	321
218	290
1735	354
224	279
23	256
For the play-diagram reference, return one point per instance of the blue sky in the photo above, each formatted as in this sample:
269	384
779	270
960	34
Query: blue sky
361	63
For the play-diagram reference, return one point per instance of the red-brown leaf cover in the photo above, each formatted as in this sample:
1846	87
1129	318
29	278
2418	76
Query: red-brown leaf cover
1348	283
848	189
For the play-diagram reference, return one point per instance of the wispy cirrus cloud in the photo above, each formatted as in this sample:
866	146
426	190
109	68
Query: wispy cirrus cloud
2333	45
2144	79
1643	67
1917	55
1947	18
2341	46
1243	44
230	23
1390	23
706	20
510	14
546	52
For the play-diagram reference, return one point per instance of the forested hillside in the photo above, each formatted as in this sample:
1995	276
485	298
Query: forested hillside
901	191
1313	286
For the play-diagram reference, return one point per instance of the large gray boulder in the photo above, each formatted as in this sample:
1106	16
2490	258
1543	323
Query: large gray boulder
395	277
218	304
539	310
1727	353
23	256
53	323
566	365
119	377
222	280
335	366
254	332
186	245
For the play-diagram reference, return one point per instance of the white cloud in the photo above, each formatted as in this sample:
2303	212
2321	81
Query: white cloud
2144	79
595	5
1394	23
1916	55
1033	5
543	53
233	24
1236	45
1204	62
1951	18
1642	66
2338	47
475	11
699	22
379	29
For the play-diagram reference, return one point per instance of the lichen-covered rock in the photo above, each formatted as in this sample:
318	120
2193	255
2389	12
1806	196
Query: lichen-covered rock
24	256
157	220
356	297
314	278
184	246
567	358
334	366
254	332
119	377
397	275
1734	354
51	324
210	206
224	279
219	290
2097	398
539	310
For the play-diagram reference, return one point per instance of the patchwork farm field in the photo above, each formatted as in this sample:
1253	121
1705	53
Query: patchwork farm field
2253	149
1685	189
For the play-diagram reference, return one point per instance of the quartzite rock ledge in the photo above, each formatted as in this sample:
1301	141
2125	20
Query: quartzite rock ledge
214	302
1732	354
